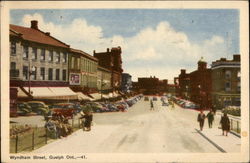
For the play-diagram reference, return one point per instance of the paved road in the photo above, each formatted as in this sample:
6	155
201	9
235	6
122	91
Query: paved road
137	131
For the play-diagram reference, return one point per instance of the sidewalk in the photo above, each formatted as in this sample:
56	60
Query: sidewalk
230	143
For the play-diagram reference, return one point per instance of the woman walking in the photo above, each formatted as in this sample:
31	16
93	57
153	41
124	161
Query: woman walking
225	124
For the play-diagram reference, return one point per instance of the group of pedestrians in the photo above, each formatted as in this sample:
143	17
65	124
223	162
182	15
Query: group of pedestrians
58	126
224	122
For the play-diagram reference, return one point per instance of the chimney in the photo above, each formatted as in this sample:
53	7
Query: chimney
236	57
47	33
223	59
34	24
183	71
107	49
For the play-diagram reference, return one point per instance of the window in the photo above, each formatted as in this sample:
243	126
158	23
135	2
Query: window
51	56
42	54
57	74
78	63
64	75
50	74
238	75
13	65
57	57
228	74
72	62
33	75
64	58
34	53
42	73
25	73
238	86
25	52
228	86
13	48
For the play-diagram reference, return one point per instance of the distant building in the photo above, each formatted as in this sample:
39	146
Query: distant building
184	85
82	71
126	85
112	61
148	85
226	82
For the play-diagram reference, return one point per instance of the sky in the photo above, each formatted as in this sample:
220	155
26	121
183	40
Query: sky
154	42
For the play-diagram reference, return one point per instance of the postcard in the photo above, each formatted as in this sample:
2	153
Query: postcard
132	81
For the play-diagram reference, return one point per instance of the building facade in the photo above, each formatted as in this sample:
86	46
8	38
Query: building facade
226	86
82	71
184	85
104	80
38	65
126	85
112	61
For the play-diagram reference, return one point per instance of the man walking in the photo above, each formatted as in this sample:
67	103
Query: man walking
201	119
210	118
152	105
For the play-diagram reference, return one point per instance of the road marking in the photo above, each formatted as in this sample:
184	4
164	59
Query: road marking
217	146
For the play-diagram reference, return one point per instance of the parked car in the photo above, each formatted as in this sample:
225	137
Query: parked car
23	108
66	109
38	107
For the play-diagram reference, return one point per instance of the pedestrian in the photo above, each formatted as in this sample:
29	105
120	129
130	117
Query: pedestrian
201	119
152	105
88	118
210	118
225	124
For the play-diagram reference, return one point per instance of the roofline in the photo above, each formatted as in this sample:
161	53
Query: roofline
84	54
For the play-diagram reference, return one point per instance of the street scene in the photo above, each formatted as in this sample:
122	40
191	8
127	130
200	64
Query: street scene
124	81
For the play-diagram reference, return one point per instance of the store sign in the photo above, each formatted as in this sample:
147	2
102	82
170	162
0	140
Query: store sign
74	79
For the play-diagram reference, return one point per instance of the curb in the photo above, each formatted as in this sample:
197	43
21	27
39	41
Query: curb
214	144
235	134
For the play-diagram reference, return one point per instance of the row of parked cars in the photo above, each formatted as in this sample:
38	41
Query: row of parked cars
186	104
70	109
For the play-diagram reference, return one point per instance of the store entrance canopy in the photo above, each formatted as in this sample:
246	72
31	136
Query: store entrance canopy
82	96
96	96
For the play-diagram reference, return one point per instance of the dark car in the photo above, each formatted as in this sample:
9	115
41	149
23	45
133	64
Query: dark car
23	108
38	107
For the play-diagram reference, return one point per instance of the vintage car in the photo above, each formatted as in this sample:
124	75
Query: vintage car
23	108
38	107
65	109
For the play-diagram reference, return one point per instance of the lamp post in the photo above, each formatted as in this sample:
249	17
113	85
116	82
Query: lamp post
31	70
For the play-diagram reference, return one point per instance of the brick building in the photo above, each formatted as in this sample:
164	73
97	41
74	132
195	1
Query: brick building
184	85
226	82
111	60
104	80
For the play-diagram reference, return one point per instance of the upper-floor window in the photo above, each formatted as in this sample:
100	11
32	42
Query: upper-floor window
42	73
50	74
34	53
50	56
72	62
57	59
25	52
228	74
238	75
238	86
57	74
78	63
13	48
13	65
25	72
64	60
64	75
33	74
228	86
42	54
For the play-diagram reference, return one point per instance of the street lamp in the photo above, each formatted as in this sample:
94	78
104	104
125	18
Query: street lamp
31	70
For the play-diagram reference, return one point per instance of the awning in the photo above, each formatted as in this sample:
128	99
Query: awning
52	93
96	96
21	93
115	94
82	96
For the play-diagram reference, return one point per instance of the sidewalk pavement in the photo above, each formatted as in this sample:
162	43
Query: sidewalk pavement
230	143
